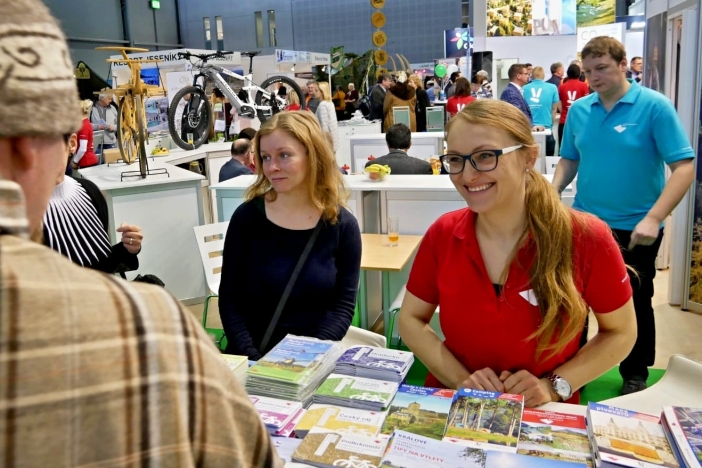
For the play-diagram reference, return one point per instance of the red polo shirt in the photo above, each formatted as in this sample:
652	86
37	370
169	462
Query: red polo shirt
485	330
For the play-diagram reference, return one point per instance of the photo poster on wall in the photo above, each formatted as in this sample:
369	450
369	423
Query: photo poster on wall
595	12
654	59
531	17
156	109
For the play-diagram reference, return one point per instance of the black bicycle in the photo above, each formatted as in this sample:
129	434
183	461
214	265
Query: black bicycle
190	112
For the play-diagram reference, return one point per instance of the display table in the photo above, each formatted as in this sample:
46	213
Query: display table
166	207
378	255
424	146
351	128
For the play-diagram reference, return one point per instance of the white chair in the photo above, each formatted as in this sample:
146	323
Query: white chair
681	385
358	336
210	242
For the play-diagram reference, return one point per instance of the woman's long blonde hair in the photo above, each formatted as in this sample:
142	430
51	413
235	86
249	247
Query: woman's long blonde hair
549	228
86	106
324	91
325	184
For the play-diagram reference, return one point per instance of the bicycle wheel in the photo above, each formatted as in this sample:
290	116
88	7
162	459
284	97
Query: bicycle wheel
126	130
141	147
192	115
279	103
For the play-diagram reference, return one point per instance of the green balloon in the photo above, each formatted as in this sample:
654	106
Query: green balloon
440	70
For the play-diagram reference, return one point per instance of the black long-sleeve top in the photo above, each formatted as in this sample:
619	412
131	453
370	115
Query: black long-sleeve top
76	223
258	259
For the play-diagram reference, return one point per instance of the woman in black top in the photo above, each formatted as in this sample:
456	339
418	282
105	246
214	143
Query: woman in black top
298	186
422	102
76	224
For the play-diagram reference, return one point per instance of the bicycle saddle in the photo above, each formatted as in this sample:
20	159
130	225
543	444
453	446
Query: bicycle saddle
252	53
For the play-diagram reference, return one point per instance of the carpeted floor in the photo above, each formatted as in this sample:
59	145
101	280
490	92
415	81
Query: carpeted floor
606	387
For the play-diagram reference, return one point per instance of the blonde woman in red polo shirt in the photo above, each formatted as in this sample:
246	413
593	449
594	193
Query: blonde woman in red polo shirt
514	274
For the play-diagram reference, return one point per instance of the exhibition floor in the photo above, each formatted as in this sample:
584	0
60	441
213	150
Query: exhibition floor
677	331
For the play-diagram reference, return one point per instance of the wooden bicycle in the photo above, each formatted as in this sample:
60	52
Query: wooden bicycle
131	120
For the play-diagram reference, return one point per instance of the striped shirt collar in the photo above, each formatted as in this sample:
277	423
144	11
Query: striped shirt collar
13	214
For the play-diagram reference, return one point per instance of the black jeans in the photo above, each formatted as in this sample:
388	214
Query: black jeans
560	136
550	145
642	259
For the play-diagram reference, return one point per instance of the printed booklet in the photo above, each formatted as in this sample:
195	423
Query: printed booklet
408	450
356	392
556	436
683	427
419	410
375	363
341	420
485	420
275	413
621	437
322	448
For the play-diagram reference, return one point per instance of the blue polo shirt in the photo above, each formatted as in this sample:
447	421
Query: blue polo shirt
623	153
541	96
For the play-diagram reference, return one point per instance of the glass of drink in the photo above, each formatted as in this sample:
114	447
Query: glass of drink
191	138
435	165
393	230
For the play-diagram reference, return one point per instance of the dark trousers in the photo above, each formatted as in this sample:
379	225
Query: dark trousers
560	136
642	259
550	145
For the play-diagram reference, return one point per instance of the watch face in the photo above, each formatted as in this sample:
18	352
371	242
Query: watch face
562	388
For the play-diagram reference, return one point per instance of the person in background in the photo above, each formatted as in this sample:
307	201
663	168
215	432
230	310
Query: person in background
635	71
282	90
449	89
557	71
570	91
98	368
311	98
513	92
103	116
249	133
76	225
633	196
422	102
485	83
492	267
242	159
529	69
476	90
377	97
582	73
351	99
543	101
401	94
299	189
293	102
85	154
339	101
461	98
326	114
399	140
431	91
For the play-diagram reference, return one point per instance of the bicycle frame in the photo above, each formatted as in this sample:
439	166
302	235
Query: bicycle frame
212	72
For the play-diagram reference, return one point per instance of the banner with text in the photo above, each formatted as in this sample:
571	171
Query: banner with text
531	18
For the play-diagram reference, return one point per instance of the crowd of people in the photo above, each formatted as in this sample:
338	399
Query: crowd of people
99	371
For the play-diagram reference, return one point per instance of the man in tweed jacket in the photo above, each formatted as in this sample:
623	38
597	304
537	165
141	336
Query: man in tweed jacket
94	371
518	77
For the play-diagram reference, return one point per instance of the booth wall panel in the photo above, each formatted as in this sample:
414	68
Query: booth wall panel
88	18
141	17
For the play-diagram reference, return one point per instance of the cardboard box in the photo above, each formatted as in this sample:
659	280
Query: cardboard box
111	155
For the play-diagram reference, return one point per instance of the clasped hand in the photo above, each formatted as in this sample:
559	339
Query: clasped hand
536	391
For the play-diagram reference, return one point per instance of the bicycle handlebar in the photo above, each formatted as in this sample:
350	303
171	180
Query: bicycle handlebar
205	57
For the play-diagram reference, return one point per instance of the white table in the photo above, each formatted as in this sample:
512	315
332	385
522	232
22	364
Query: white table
424	146
351	128
166	207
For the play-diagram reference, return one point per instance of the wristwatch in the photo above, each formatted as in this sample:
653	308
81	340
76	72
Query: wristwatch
560	386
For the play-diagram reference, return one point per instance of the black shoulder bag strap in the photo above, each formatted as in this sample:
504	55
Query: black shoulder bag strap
291	283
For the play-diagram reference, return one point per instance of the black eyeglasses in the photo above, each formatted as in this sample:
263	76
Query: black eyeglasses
482	160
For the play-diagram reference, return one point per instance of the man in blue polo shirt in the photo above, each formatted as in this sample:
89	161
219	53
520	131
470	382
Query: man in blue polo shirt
618	141
543	100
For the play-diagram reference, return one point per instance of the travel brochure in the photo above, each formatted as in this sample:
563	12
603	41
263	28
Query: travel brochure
238	365
275	413
356	392
556	436
626	438
419	410
375	363
322	448
485	420
683	428
340	420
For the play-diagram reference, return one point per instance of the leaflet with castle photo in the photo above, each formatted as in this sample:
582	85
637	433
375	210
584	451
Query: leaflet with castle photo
419	410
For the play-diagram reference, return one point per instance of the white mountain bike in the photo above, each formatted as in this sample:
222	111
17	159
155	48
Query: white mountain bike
190	111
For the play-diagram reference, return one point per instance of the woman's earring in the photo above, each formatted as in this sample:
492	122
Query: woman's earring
527	170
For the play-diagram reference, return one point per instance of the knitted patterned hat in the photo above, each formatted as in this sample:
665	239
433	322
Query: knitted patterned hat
38	94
